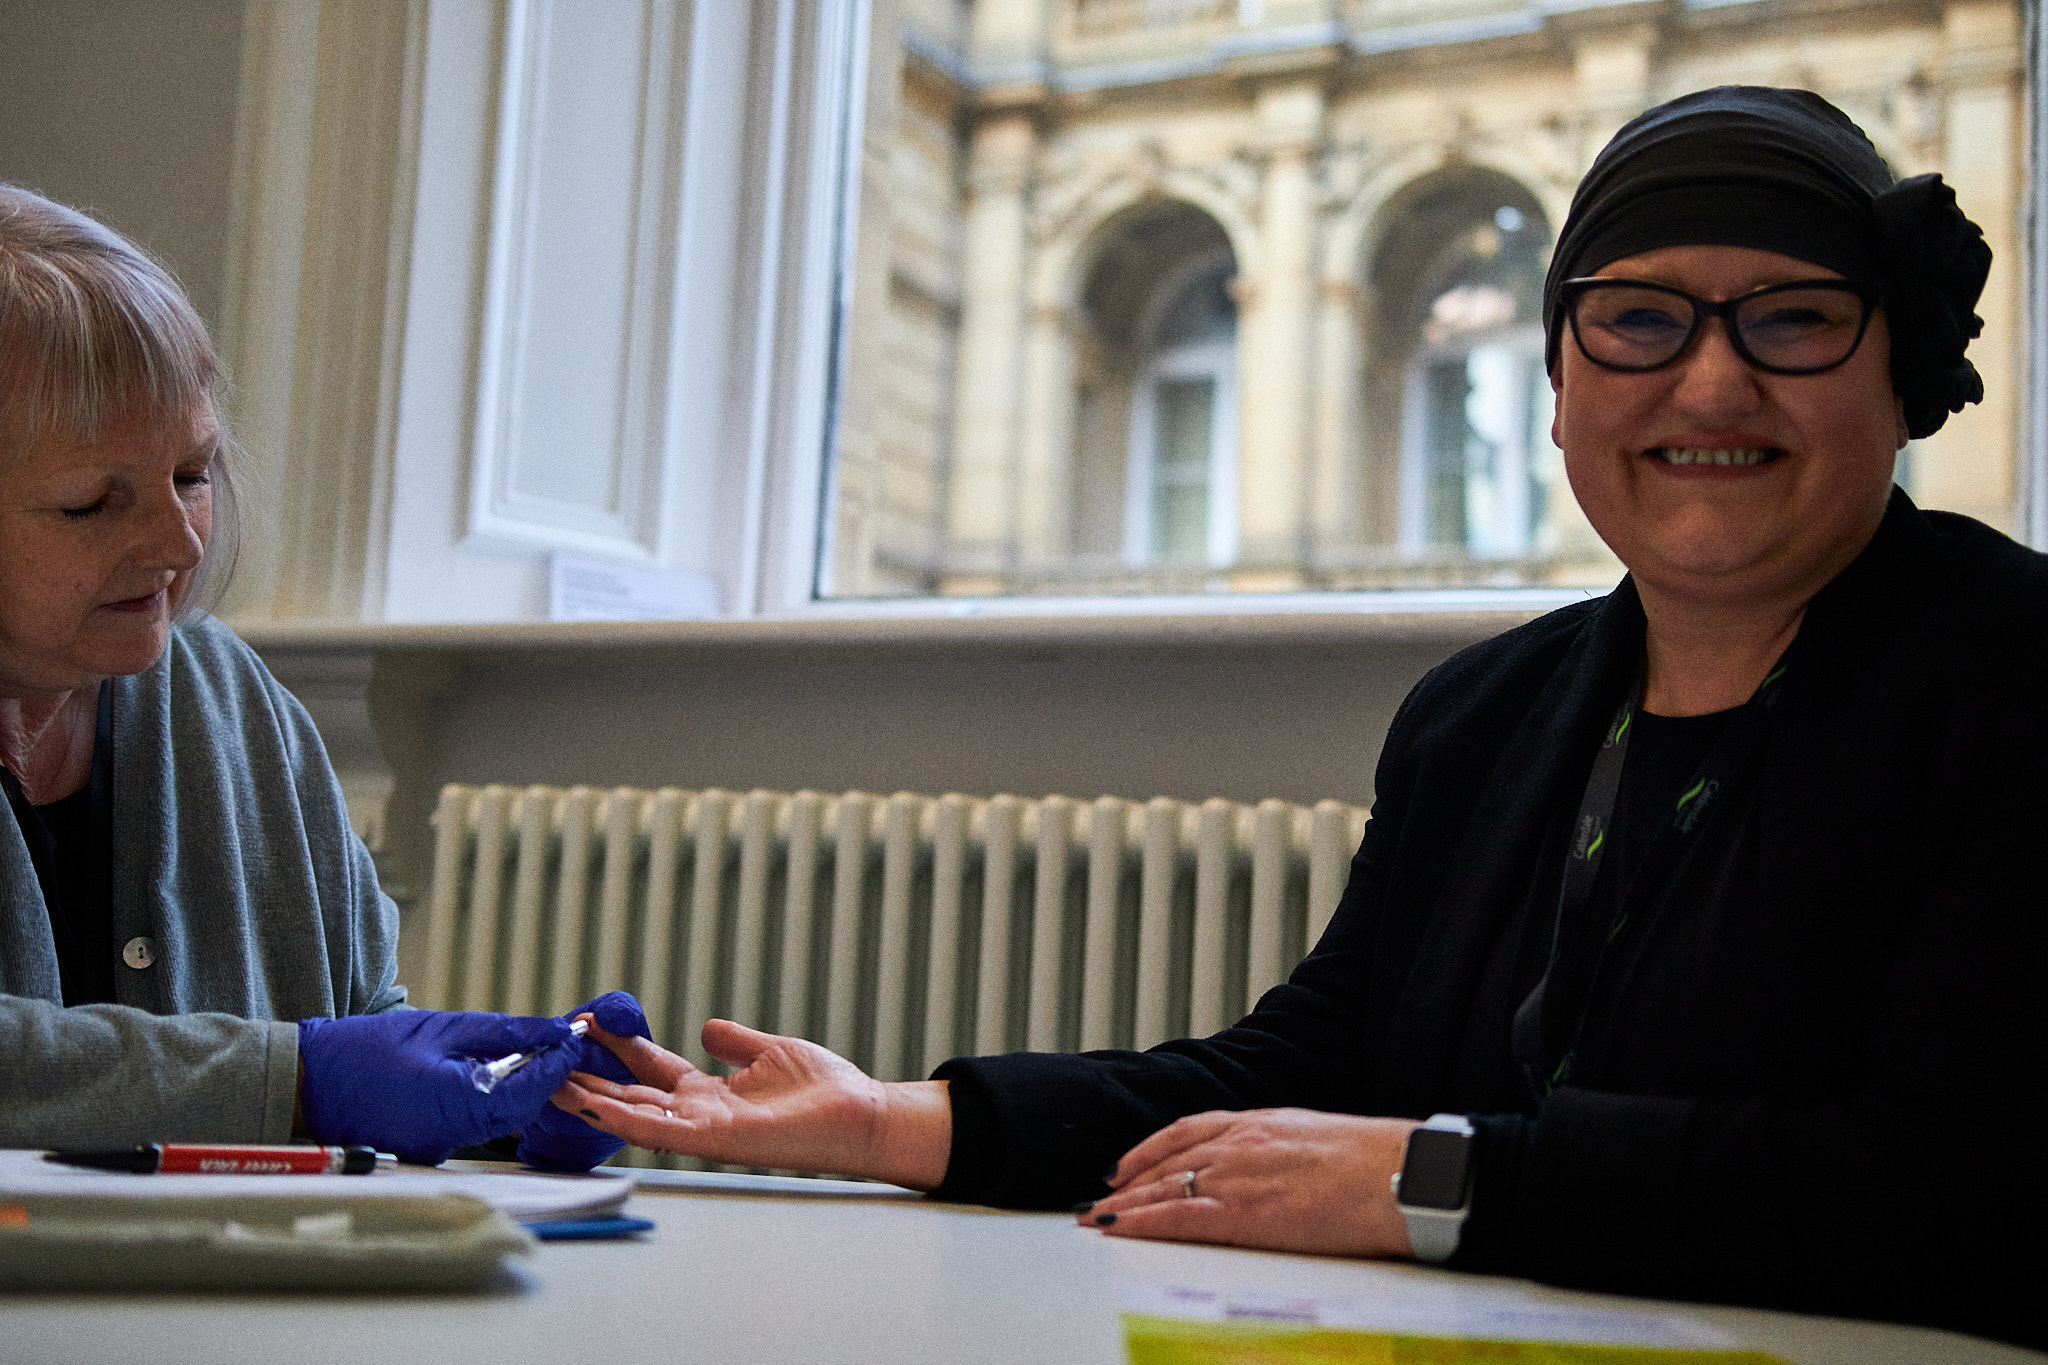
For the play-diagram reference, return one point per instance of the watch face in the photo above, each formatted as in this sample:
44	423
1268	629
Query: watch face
1434	1175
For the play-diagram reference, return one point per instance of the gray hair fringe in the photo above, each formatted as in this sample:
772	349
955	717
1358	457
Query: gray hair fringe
94	332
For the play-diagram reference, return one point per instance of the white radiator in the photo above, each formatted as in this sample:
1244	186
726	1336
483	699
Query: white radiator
898	931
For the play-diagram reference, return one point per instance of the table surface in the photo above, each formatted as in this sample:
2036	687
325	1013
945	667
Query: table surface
767	1270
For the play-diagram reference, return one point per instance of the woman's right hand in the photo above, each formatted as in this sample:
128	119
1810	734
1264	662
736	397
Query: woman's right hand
790	1104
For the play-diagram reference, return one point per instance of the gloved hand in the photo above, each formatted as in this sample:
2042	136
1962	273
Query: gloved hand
400	1081
558	1140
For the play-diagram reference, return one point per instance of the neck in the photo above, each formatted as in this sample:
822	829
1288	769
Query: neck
1705	657
46	741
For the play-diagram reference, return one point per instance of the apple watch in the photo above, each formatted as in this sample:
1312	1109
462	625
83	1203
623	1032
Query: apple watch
1433	1188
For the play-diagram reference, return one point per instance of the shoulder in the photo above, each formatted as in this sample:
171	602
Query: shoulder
206	646
211	679
1987	564
1501	674
1976	607
1467	711
1979	639
205	654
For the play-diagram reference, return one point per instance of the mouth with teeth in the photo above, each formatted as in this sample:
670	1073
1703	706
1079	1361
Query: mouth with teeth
1746	457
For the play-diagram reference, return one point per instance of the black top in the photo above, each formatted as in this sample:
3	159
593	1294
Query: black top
71	843
1810	1073
1664	753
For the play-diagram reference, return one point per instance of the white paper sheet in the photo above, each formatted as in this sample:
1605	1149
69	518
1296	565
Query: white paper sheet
1450	1316
515	1191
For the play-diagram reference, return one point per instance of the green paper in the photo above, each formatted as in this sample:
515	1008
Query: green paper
1178	1341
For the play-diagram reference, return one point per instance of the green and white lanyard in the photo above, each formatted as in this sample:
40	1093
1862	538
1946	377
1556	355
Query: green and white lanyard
1738	744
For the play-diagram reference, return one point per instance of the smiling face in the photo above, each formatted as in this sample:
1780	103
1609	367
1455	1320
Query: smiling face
1714	481
98	541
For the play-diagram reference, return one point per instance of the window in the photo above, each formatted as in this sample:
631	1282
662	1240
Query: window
1476	485
1205	298
1155	396
898	301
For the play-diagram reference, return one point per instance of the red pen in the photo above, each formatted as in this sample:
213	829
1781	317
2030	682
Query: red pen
224	1158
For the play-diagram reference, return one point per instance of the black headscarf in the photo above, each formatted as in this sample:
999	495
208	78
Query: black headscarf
1785	171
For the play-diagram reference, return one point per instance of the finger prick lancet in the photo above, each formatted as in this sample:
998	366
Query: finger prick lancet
486	1075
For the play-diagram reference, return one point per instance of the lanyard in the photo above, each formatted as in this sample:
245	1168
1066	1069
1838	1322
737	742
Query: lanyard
1731	754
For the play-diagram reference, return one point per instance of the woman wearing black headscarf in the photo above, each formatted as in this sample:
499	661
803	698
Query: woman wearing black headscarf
1704	918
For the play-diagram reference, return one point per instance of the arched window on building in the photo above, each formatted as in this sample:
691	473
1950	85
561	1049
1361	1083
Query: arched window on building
1459	276
1156	467
1180	501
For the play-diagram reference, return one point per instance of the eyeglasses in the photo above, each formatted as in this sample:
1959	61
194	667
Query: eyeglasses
1802	327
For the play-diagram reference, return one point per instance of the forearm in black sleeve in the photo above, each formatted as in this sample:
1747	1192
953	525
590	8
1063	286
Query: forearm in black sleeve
1061	1121
1057	1123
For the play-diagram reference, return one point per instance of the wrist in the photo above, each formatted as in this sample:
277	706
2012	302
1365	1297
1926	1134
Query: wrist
1433	1188
915	1139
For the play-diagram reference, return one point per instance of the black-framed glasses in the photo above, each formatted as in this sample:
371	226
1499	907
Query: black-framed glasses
1801	327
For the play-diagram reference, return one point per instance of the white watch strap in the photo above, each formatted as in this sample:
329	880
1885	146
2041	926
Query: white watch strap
1433	1234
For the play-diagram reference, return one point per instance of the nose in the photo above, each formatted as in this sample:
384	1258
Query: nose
1712	380
173	533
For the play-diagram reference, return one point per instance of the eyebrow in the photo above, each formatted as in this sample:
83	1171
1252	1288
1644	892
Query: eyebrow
1819	276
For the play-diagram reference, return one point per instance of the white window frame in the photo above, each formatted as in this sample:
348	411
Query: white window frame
1416	436
768	251
790	533
1215	361
2031	519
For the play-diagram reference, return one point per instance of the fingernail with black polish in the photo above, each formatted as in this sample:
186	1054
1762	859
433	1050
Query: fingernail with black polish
1103	1220
588	1113
1084	1206
1109	1176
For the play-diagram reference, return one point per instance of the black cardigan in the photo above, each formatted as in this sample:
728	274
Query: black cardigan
1872	1144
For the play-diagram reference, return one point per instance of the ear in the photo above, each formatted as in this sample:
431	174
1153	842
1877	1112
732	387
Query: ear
1556	377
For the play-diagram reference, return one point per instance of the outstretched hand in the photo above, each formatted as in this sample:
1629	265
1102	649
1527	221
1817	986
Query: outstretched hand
1276	1179
790	1103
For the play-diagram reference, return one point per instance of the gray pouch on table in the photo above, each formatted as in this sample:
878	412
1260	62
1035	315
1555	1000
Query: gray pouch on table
438	1243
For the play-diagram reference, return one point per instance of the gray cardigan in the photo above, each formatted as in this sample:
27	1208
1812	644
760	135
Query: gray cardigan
234	858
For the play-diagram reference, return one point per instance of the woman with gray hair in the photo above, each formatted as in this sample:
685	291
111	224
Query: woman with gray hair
192	942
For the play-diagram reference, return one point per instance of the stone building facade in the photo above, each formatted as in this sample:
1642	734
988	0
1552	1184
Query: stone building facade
1201	295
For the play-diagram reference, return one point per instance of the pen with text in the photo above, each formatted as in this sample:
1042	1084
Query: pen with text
224	1158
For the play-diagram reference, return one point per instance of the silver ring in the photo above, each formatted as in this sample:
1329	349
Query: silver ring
670	1112
1187	1184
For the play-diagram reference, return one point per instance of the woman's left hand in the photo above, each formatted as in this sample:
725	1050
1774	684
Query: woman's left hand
1277	1179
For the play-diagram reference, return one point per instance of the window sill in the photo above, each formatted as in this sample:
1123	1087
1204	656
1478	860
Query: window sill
1441	617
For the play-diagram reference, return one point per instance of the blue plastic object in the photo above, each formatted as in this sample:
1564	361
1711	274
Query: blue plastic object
589	1229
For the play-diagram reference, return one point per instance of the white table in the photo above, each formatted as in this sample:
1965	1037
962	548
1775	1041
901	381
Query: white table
739	1270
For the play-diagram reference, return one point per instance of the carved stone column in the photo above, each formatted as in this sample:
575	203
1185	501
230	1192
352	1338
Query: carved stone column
982	526
1969	466
1611	67
1275	327
1045	473
1334	491
1007	39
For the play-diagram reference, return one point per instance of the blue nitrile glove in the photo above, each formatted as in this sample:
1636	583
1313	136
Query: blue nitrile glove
399	1082
558	1140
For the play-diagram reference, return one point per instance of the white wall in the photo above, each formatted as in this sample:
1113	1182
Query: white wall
560	279
126	108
